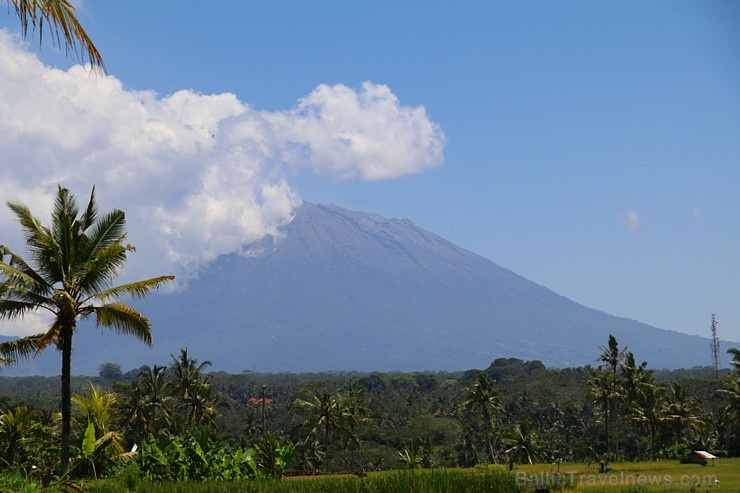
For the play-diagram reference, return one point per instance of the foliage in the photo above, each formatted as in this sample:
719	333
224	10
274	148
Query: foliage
272	456
379	421
73	264
61	21
194	456
22	436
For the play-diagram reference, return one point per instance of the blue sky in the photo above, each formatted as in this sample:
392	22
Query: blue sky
592	147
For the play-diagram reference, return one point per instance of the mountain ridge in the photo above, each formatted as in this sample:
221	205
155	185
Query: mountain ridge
354	291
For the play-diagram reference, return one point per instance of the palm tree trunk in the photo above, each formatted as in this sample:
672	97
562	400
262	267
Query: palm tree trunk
66	396
489	443
606	423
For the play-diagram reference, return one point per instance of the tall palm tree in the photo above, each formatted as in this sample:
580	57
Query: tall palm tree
601	389
611	356
190	387
521	441
632	375
682	410
64	27
153	388
145	403
486	399
730	391
649	410
324	415
74	262
735	363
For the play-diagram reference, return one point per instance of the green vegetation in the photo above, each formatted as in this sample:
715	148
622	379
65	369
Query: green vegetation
73	263
181	429
176	428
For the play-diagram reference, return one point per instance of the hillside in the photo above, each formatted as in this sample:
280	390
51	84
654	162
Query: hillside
344	290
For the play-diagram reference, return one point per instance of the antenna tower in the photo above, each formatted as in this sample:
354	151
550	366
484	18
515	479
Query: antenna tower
715	347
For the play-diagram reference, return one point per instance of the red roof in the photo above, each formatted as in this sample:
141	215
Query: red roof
257	401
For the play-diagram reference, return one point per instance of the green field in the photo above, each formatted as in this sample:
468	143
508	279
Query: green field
637	477
660	476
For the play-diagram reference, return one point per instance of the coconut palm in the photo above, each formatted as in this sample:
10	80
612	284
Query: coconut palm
64	27
97	407
324	415
521	441
611	356
602	390
682	410
192	390
94	417
632	375
649	410
731	392
74	262
485	398
151	391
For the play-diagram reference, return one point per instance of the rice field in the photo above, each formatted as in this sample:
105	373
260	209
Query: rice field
635	477
661	476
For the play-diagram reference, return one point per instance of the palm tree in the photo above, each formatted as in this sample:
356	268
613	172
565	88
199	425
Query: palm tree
649	410
153	388
682	410
191	388
611	356
74	262
97	407
145	403
355	410
59	16
632	376
521	441
601	389
735	352
94	416
486	399
325	416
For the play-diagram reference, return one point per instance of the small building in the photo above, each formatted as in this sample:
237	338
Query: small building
702	456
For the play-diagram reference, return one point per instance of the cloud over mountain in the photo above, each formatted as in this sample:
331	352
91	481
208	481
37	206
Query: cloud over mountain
198	175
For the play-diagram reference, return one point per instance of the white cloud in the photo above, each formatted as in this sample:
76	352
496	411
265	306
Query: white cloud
633	220
198	175
365	134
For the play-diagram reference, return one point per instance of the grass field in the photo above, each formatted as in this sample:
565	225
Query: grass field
636	477
660	476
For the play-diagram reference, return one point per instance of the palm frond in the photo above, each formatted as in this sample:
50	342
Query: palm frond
91	213
23	348
65	231
13	309
98	273
101	252
138	289
40	242
124	319
60	17
51	336
32	227
108	230
18	273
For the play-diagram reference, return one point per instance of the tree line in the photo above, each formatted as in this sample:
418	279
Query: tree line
177	421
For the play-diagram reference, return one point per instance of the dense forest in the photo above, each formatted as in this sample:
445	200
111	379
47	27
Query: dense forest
163	418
